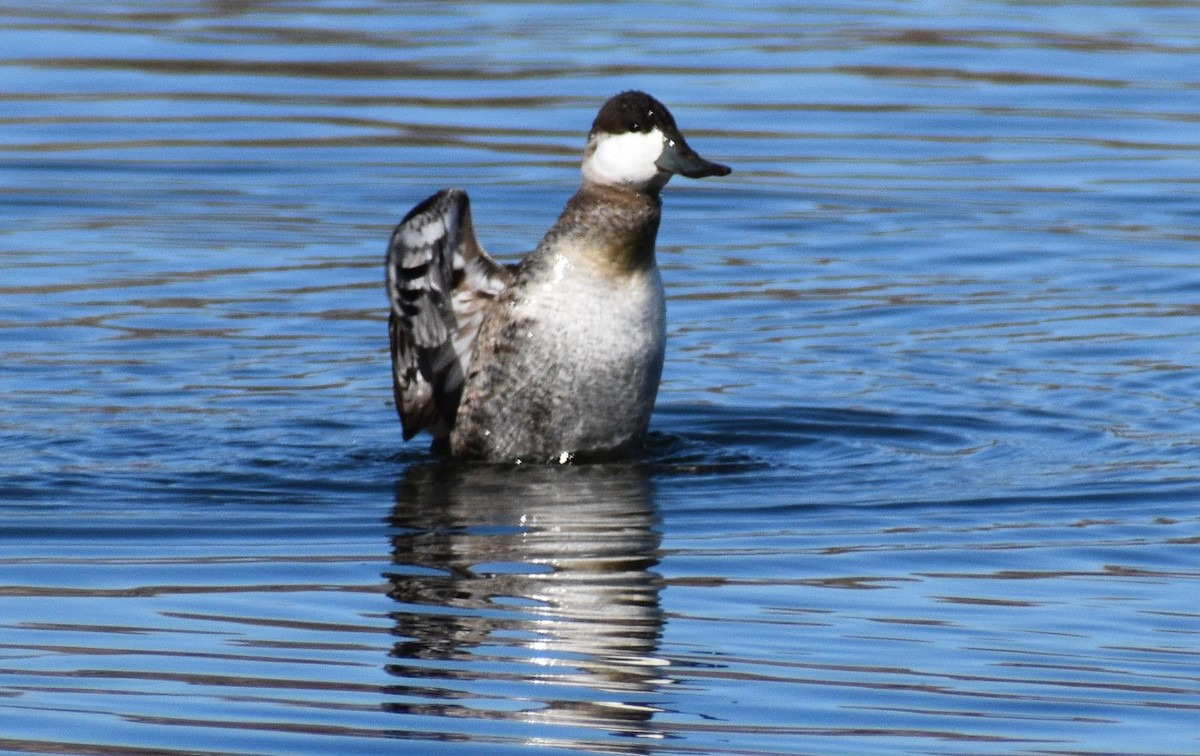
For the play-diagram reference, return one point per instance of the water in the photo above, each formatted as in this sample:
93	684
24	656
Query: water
925	470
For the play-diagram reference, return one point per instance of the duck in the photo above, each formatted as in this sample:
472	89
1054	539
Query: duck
556	357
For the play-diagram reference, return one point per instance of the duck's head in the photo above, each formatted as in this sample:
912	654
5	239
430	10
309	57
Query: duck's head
634	143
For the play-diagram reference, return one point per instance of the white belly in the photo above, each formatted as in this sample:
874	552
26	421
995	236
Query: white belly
586	376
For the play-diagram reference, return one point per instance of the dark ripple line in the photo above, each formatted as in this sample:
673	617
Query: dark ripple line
409	70
204	680
98	749
28	591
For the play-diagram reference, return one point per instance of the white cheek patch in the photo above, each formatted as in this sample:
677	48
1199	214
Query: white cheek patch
625	158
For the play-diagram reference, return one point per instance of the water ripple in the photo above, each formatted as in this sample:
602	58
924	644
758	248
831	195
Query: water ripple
922	477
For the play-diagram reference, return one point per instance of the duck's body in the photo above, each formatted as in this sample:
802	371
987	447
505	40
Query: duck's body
560	355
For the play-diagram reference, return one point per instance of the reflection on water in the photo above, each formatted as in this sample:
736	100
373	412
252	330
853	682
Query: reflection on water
536	582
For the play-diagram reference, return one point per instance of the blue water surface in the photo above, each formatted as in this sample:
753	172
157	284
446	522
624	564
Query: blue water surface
924	472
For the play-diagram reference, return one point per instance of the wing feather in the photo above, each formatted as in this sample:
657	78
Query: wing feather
441	284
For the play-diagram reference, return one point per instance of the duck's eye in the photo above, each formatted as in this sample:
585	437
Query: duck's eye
635	127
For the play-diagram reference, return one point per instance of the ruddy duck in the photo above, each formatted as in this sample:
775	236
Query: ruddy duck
560	354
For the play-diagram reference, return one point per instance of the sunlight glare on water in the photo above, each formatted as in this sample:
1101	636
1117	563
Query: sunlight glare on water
924	470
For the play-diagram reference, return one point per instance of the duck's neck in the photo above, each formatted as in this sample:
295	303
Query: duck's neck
610	227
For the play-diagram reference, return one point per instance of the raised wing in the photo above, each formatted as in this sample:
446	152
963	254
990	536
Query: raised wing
441	284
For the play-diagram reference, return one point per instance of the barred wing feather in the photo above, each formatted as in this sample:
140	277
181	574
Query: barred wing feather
441	285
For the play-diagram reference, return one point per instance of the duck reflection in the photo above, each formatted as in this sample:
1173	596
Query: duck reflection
528	593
